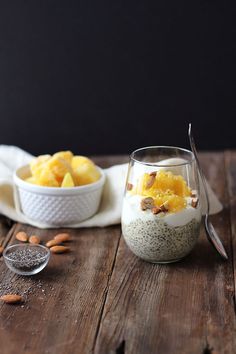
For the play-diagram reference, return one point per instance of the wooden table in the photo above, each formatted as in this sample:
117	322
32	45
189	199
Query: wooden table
100	298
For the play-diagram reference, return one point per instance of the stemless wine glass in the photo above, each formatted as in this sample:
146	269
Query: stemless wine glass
161	212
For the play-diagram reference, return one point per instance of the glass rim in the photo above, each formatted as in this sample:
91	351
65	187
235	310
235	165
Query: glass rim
188	162
27	245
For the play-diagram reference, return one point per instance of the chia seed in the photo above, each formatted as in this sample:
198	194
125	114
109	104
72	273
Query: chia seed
27	259
156	241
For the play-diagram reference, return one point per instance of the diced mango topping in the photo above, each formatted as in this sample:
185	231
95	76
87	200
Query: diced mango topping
164	186
62	169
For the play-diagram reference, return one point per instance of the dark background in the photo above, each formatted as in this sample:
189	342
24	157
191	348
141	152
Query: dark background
107	77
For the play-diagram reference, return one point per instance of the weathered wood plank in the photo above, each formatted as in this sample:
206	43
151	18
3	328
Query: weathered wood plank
186	307
107	161
5	227
230	167
182	308
64	302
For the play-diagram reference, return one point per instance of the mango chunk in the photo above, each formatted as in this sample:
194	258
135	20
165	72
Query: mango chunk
58	167
47	179
63	169
175	202
66	155
163	182
67	181
85	170
37	165
79	160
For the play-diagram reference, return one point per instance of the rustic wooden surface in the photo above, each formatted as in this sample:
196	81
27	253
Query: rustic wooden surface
101	299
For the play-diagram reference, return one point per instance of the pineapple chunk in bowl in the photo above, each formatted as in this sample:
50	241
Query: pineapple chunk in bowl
52	192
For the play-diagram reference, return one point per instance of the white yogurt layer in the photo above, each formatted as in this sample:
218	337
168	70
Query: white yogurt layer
132	211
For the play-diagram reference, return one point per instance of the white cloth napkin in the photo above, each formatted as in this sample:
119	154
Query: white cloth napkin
12	157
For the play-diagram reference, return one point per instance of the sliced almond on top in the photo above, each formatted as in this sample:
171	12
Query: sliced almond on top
52	243
62	237
193	193
147	203
164	207
11	298
22	236
156	210
59	249
151	180
194	202
34	239
154	173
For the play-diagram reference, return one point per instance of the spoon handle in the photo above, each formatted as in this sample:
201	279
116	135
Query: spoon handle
194	150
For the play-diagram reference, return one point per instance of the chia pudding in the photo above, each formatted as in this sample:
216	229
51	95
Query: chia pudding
162	238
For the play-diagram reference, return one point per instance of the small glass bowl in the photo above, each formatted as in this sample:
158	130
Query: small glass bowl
26	259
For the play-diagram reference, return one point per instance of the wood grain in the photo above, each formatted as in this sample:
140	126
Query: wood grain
64	302
185	307
101	298
230	168
107	161
5	227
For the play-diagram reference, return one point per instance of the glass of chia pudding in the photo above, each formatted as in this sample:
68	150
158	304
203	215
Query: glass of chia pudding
161	214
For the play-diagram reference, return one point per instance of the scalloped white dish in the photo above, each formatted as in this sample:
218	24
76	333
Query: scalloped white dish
56	206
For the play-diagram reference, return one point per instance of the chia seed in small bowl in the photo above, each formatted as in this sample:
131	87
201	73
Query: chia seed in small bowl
27	259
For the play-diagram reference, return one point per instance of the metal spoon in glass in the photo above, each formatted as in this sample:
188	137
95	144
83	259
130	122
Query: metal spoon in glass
210	231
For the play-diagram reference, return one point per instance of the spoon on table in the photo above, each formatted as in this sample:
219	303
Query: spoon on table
210	230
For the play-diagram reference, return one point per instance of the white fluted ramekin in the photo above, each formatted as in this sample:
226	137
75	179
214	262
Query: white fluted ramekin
57	206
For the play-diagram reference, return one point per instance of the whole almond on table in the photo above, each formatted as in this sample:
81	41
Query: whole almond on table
62	237
59	249
52	243
11	298
22	236
1	250
34	239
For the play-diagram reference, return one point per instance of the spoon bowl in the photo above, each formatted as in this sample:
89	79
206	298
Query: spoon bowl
210	230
